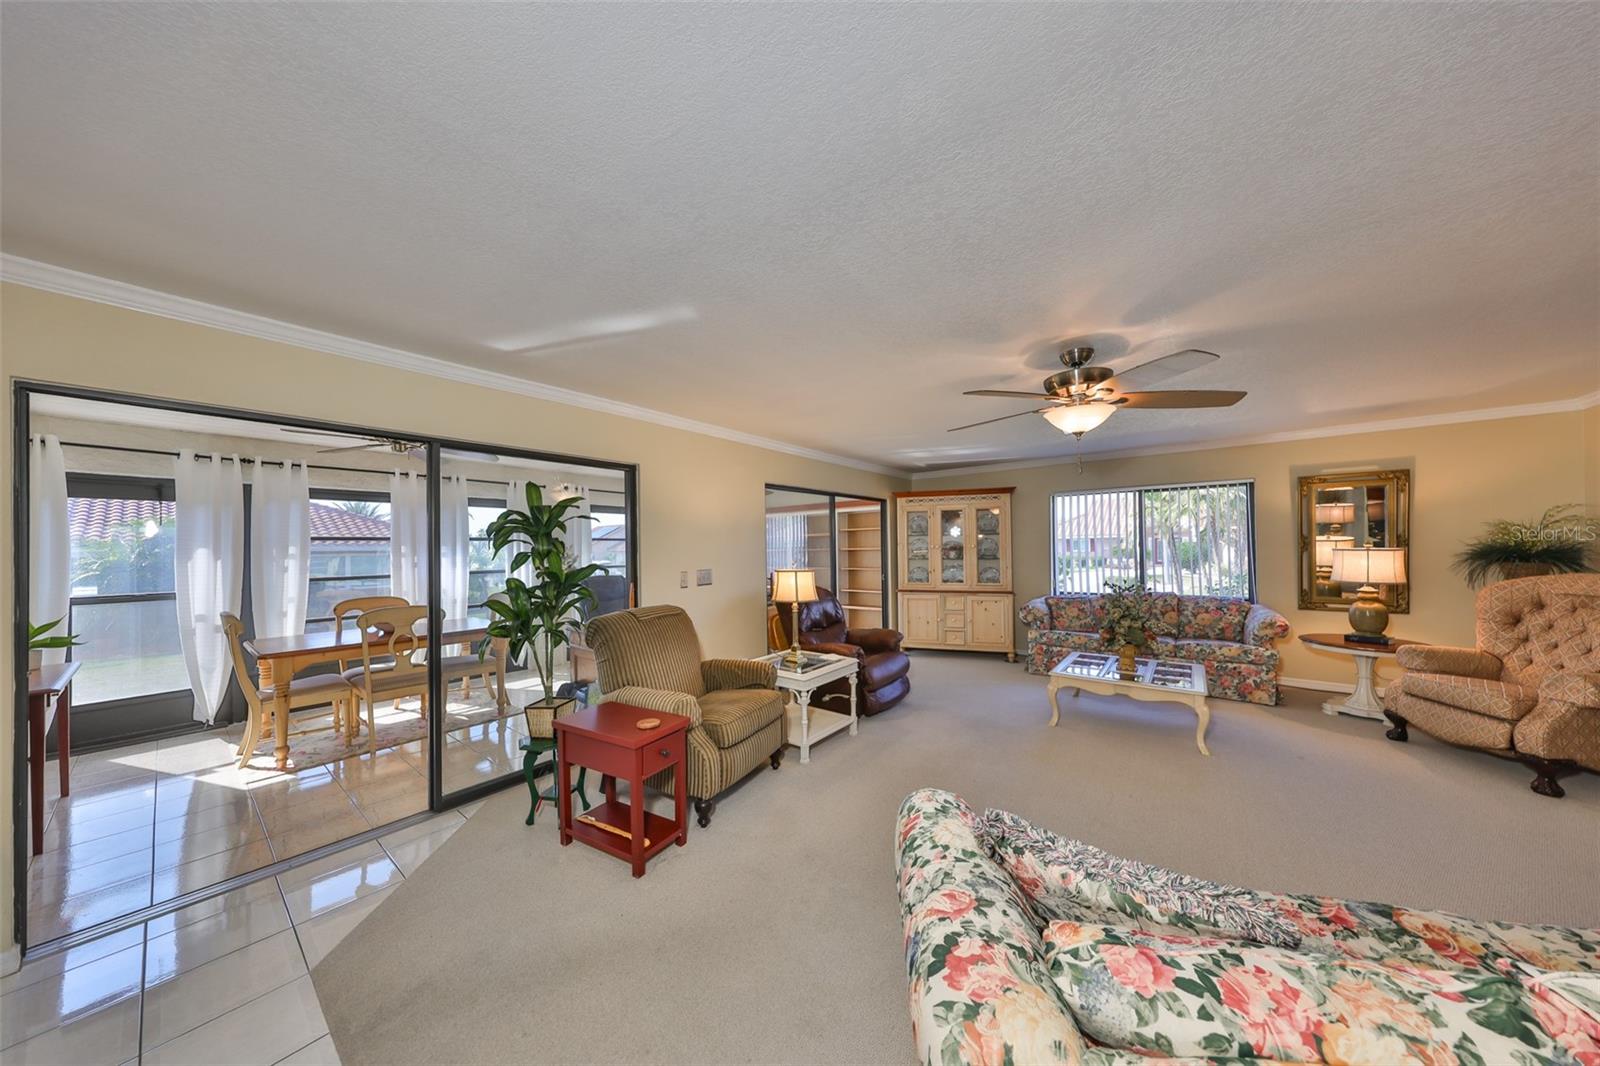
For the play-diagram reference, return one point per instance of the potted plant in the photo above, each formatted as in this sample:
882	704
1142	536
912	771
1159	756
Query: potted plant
39	641
1560	542
536	616
1127	626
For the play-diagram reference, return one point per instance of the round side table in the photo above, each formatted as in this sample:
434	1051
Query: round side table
1363	702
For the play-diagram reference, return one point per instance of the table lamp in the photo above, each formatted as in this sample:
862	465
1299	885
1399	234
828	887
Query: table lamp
1368	568
1323	559
794	587
1334	515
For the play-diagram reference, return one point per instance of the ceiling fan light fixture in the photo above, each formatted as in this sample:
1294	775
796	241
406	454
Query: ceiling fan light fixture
1079	418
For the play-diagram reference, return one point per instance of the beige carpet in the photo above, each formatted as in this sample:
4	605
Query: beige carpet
774	936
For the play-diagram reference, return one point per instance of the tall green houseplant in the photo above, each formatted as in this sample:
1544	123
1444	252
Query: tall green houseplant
537	615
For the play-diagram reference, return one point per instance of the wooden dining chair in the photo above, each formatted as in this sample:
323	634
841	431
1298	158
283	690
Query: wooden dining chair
314	691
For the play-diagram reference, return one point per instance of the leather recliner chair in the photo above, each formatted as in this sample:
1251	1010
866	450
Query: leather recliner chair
884	675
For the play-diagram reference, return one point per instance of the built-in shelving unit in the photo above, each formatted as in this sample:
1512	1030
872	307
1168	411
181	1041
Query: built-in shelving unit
860	562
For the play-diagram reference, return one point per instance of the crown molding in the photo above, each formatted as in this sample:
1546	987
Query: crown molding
56	279
1577	403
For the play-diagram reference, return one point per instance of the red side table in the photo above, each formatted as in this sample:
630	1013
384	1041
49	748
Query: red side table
607	738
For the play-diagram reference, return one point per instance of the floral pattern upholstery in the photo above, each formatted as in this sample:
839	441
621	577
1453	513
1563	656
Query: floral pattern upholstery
991	981
1244	668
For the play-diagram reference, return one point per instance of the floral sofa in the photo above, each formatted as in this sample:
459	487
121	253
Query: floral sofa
1232	637
1023	947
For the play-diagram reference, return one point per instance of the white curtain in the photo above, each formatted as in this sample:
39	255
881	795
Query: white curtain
516	500
455	547
408	537
208	571
49	546
579	539
280	548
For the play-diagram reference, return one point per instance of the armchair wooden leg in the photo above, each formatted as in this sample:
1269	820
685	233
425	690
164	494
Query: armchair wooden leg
1398	730
1546	772
703	810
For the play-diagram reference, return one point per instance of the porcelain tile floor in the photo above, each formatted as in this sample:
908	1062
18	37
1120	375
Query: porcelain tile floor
149	822
224	981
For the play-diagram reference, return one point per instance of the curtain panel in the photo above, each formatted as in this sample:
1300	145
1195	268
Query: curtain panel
208	571
49	544
280	548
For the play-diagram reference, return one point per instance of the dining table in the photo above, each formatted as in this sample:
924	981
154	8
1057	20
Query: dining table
283	657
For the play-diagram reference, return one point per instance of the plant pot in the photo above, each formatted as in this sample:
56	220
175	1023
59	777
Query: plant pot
1126	664
35	659
541	713
1515	570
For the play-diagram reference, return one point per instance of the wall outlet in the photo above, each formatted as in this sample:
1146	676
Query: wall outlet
702	577
683	579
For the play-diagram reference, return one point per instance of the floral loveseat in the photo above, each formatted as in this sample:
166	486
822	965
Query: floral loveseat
1026	948
1232	637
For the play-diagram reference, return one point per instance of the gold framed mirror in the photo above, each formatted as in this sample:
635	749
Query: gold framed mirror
1362	509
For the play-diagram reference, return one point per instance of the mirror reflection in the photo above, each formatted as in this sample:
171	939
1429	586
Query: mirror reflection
1349	511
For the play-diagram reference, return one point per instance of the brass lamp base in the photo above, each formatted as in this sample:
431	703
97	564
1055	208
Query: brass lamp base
1368	617
795	659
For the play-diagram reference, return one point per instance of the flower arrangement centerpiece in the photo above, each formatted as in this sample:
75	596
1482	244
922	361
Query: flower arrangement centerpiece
1127	626
1562	541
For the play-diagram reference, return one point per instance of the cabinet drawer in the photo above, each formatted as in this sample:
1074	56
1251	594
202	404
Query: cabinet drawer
955	636
664	753
954	603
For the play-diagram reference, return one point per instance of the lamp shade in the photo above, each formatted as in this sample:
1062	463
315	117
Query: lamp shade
1335	513
1078	418
1370	566
794	586
1326	546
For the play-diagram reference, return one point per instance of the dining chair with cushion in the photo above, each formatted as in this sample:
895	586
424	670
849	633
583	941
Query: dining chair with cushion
316	691
650	657
394	661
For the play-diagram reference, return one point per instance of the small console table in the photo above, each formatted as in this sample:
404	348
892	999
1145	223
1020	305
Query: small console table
1364	701
49	688
607	738
803	724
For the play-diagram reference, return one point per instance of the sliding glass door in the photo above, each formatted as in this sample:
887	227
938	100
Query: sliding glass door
841	538
256	603
493	707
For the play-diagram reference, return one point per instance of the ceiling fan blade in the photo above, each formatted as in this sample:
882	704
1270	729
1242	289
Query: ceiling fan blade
1158	370
350	448
1181	398
1002	418
1009	392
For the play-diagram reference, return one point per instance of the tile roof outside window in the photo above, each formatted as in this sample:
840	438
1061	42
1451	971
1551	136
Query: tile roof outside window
98	519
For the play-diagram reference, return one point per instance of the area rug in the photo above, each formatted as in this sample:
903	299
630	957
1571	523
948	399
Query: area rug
395	726
775	935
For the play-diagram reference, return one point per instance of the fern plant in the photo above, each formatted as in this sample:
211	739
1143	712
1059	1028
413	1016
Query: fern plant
1560	542
536	615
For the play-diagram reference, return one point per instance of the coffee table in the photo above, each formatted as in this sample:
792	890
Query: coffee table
1158	680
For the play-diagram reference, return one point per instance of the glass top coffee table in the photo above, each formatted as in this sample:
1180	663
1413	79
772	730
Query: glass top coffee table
1152	679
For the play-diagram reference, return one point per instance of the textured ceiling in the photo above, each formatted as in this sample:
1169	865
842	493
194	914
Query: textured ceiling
821	223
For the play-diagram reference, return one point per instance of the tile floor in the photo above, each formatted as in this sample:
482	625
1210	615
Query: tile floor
152	821
224	981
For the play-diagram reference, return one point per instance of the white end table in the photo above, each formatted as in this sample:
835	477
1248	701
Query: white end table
804	726
1364	701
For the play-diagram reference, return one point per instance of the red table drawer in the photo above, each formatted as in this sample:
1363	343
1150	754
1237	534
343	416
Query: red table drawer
598	755
662	754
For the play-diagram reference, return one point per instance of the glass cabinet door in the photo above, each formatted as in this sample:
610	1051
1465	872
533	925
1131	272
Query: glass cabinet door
919	557
989	529
952	545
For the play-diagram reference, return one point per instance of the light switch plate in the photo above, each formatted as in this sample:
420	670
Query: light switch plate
702	577
683	579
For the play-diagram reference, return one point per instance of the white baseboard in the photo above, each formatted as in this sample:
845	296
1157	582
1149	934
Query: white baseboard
1322	686
10	960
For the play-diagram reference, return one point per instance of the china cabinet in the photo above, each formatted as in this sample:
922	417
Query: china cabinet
955	569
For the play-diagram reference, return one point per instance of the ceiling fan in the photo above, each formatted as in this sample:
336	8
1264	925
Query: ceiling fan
395	445
1081	397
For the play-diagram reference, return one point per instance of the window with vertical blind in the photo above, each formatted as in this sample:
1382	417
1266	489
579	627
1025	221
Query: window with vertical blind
1190	539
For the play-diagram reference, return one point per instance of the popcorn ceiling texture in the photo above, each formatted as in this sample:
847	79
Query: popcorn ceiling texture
1372	211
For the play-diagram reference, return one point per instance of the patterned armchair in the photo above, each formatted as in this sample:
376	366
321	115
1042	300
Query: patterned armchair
650	657
1531	687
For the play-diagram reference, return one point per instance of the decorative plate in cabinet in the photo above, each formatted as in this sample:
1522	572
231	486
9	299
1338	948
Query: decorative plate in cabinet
919	574
917	545
951	573
989	575
917	523
988	549
988	522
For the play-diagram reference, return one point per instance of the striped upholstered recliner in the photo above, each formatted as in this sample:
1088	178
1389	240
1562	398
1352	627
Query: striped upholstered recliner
650	657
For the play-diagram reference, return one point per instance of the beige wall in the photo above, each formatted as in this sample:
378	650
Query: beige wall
1462	476
1591	458
701	500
